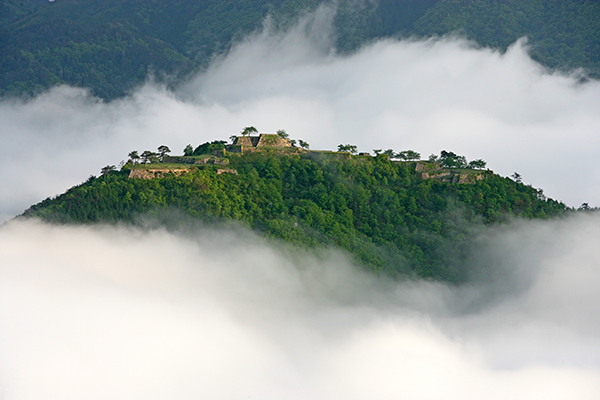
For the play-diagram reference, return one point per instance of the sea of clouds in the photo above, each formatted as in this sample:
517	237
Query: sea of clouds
205	312
102	312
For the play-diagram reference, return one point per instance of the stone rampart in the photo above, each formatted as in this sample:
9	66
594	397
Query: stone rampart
155	173
262	140
226	171
430	166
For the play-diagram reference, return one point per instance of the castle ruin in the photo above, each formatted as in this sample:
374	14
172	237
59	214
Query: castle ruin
244	144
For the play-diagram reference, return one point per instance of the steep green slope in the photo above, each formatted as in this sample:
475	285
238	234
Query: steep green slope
383	212
85	43
111	46
562	34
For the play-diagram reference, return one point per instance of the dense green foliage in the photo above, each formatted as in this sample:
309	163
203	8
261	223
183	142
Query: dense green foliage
561	33
381	211
210	147
110	46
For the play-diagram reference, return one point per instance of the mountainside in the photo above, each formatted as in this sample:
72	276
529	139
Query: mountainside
111	46
403	218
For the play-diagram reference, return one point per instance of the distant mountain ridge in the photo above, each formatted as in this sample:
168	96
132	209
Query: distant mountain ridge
110	46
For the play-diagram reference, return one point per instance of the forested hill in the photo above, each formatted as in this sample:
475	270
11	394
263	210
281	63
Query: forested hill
112	45
403	218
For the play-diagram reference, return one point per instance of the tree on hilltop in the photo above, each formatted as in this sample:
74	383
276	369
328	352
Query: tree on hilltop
188	151
350	148
162	152
249	130
452	160
408	155
134	156
108	169
303	144
210	147
282	134
148	157
477	164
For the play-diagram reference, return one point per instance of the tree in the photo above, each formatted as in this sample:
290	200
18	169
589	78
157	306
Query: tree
433	158
303	144
516	177
377	151
477	164
162	152
210	147
350	148
233	138
147	156
452	160
249	130
389	153
408	155
188	151
293	142
106	170
282	134
134	156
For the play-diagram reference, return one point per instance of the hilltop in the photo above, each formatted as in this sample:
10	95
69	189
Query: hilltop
393	212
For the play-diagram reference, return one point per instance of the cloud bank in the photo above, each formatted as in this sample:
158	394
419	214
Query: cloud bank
421	95
124	313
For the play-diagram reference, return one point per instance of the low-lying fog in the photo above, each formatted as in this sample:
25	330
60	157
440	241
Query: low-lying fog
123	313
129	313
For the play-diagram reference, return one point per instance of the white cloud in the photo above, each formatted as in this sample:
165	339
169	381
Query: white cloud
423	95
118	312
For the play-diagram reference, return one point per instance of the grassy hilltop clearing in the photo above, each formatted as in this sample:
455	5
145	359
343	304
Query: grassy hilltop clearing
112	46
394	213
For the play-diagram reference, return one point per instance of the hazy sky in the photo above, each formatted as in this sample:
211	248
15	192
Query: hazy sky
125	313
426	96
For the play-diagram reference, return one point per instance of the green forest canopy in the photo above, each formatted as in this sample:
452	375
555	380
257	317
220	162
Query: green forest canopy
111	46
381	211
